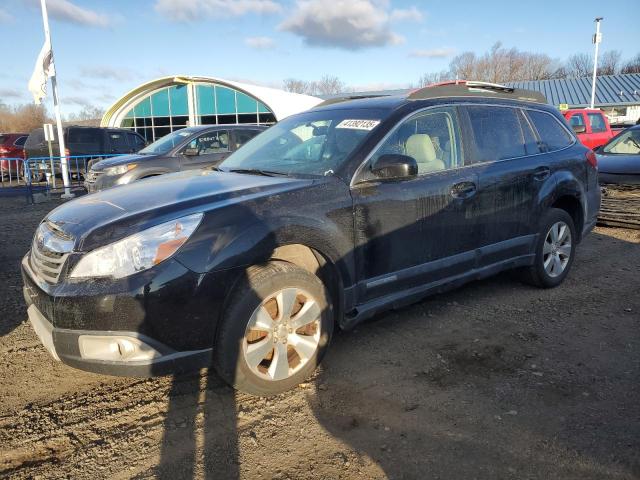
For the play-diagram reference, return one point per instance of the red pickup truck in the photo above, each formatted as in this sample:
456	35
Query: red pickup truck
591	126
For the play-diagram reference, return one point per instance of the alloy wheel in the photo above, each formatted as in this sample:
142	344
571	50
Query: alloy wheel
556	251
283	334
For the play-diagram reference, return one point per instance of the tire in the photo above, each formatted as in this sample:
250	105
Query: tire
252	360
553	259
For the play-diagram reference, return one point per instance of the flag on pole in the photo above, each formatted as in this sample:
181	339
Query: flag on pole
43	69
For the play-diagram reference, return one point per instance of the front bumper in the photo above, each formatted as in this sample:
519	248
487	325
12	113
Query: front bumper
168	308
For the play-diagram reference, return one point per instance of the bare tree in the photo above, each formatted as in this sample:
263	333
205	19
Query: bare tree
435	77
329	85
88	112
295	85
22	118
632	66
609	62
579	65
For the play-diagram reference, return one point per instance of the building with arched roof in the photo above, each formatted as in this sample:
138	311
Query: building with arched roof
161	106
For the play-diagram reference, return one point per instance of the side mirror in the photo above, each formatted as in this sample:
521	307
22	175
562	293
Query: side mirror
395	166
579	128
190	152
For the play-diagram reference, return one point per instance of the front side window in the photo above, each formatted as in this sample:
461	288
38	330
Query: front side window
118	141
243	136
626	143
209	143
167	143
553	136
430	137
313	143
597	123
496	134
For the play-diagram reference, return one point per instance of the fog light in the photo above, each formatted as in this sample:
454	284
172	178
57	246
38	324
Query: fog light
115	348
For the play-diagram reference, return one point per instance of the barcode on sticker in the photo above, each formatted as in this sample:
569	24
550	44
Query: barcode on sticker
359	124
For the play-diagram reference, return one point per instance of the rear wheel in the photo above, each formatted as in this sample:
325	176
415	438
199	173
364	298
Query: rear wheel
554	251
275	330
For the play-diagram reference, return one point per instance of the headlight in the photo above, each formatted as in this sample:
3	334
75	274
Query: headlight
137	252
120	169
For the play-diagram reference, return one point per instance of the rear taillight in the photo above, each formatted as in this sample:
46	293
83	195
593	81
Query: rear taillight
592	159
3	151
67	153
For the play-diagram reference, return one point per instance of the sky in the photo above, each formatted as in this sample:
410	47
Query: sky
102	49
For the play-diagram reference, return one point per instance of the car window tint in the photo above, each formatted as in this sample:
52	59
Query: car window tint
209	143
3	138
576	120
596	122
553	136
36	137
496	134
118	141
243	136
431	137
628	142
80	135
20	141
531	145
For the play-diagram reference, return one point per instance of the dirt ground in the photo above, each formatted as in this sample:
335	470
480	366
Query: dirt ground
495	380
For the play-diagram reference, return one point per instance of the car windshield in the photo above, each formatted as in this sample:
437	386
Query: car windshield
166	143
313	143
627	142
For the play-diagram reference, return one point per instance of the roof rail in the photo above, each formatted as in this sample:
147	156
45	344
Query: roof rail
331	101
468	88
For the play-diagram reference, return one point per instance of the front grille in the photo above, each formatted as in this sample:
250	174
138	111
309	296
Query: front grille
93	175
45	260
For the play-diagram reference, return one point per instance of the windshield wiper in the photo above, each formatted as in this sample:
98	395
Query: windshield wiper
256	171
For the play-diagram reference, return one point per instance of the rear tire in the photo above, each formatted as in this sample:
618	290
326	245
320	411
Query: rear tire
555	250
275	330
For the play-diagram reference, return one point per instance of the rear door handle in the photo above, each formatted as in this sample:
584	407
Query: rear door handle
463	190
541	173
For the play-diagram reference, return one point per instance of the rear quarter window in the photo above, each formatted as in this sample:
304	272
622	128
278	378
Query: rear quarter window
553	136
20	141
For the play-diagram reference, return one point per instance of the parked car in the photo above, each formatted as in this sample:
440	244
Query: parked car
327	218
11	148
193	147
85	142
619	159
592	126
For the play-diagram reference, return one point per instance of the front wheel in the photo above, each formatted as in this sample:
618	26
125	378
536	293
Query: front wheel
275	330
555	250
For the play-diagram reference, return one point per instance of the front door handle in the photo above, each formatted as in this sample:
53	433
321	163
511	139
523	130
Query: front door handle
541	173
463	190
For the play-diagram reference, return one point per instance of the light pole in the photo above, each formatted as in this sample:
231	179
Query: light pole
597	38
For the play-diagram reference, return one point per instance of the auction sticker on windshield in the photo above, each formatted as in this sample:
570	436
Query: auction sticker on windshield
359	124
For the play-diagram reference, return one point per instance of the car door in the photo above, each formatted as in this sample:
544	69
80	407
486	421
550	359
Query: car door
599	130
504	153
415	230
577	120
206	150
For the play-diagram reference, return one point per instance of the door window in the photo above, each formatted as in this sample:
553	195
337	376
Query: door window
497	134
209	143
118	142
20	141
135	141
576	120
553	136
597	123
243	136
431	137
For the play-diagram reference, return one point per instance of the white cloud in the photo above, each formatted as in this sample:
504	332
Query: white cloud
433	53
66	11
192	10
10	93
107	73
260	43
406	14
5	17
348	24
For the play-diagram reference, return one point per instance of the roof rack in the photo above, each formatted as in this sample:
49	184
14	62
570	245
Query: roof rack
467	88
331	101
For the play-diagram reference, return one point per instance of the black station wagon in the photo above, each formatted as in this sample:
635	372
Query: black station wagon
328	217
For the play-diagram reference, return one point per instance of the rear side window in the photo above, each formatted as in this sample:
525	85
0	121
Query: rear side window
597	122
81	135
553	136
576	120
36	137
496	133
20	141
3	138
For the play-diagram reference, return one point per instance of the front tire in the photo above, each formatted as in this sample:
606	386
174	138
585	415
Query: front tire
275	331
555	250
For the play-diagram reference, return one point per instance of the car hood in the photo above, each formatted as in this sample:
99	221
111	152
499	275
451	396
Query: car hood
104	217
120	160
619	164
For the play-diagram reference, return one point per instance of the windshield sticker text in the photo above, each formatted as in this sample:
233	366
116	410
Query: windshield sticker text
359	124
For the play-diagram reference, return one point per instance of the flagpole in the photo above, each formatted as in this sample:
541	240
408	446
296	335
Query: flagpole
56	109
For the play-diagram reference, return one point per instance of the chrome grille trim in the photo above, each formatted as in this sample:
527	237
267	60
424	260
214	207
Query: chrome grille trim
49	251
